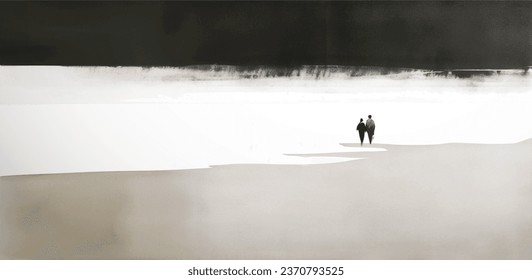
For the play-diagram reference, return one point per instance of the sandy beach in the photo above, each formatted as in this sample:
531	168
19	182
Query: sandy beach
449	201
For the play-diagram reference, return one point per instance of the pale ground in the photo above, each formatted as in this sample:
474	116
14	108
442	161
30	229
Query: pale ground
452	201
282	187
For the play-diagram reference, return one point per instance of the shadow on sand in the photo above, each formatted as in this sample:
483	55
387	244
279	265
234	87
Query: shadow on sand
451	201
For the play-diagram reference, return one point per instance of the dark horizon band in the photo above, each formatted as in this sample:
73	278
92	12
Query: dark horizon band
415	34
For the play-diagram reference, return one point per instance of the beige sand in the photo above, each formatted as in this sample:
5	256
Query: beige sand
454	201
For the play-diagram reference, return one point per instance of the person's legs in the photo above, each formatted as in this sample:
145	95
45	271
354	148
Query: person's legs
361	134
370	136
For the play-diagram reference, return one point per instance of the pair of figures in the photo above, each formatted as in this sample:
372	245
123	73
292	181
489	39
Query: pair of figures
369	127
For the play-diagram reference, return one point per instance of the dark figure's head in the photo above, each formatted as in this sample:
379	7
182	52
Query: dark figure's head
361	120
369	116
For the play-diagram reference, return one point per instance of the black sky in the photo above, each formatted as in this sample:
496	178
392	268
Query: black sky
420	34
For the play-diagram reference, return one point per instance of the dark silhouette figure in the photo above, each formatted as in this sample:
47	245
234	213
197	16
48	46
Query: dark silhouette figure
370	127
361	127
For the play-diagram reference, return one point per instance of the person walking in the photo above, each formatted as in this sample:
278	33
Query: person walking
370	127
361	127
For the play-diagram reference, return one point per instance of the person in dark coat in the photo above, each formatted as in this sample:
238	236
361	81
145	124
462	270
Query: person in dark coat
370	127
361	127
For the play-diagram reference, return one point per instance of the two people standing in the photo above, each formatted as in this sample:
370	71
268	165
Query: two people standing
369	127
